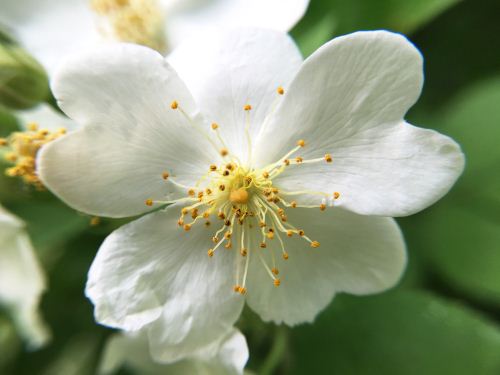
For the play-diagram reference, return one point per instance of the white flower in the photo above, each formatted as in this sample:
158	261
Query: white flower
226	356
21	280
240	133
51	29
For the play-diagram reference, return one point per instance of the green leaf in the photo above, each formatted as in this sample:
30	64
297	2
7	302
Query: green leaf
411	333
460	236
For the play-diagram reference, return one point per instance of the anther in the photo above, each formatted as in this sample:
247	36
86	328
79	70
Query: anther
174	105
293	204
94	221
336	195
149	202
236	288
280	90
33	126
229	245
229	166
184	211
322	206
180	222
242	290
3	142
263	245
226	173
222	187
275	271
213	167
286	162
299	159
262	224
301	233
191	192
243	252
224	152
214	126
285	256
276	282
215	239
165	175
265	174
289	233
247	107
200	194
301	143
221	215
227	235
187	227
328	158
210	252
270	235
227	223
315	244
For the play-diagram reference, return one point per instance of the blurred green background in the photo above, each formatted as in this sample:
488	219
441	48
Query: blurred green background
444	317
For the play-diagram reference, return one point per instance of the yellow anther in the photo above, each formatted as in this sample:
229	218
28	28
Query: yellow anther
213	167
289	233
3	142
280	90
315	244
214	126
194	213
62	131
322	206
11	156
184	211
94	221
230	166
328	158
286	162
239	196
149	202
263	245
285	256
221	215
222	187
180	222
227	235
242	290
236	288
243	252
276	282
336	195
200	194
262	224
227	223
301	143
191	192
165	175
226	173
301	233
224	152
208	191
293	204
215	239
174	105
281	211
275	271
210	252
299	159
247	107
229	245
270	235
248	180
283	218
206	214
275	190
187	227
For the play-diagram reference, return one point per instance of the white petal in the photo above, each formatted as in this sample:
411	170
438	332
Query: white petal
358	254
226	71
50	29
122	94
22	281
189	18
152	271
225	356
349	99
46	117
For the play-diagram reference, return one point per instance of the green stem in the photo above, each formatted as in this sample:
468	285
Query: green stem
275	356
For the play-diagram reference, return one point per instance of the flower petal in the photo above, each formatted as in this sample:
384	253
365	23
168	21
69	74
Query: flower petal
229	70
151	271
226	356
357	254
50	29
122	94
45	117
189	18
22	281
348	100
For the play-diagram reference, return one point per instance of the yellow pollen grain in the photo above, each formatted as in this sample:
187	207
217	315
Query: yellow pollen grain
277	282
239	196
247	107
208	191
328	158
280	90
149	202
165	175
174	105
301	143
315	244
214	126
336	195
226	173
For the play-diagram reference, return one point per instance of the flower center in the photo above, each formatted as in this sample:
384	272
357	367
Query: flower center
250	209
23	148
135	21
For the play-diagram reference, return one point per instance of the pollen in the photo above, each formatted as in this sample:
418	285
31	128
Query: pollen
243	252
301	143
210	252
277	282
149	202
224	151
285	256
174	105
322	206
275	271
293	204
165	175
265	174
315	244
242	290
187	227
214	126
247	107
336	195
328	158
280	90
